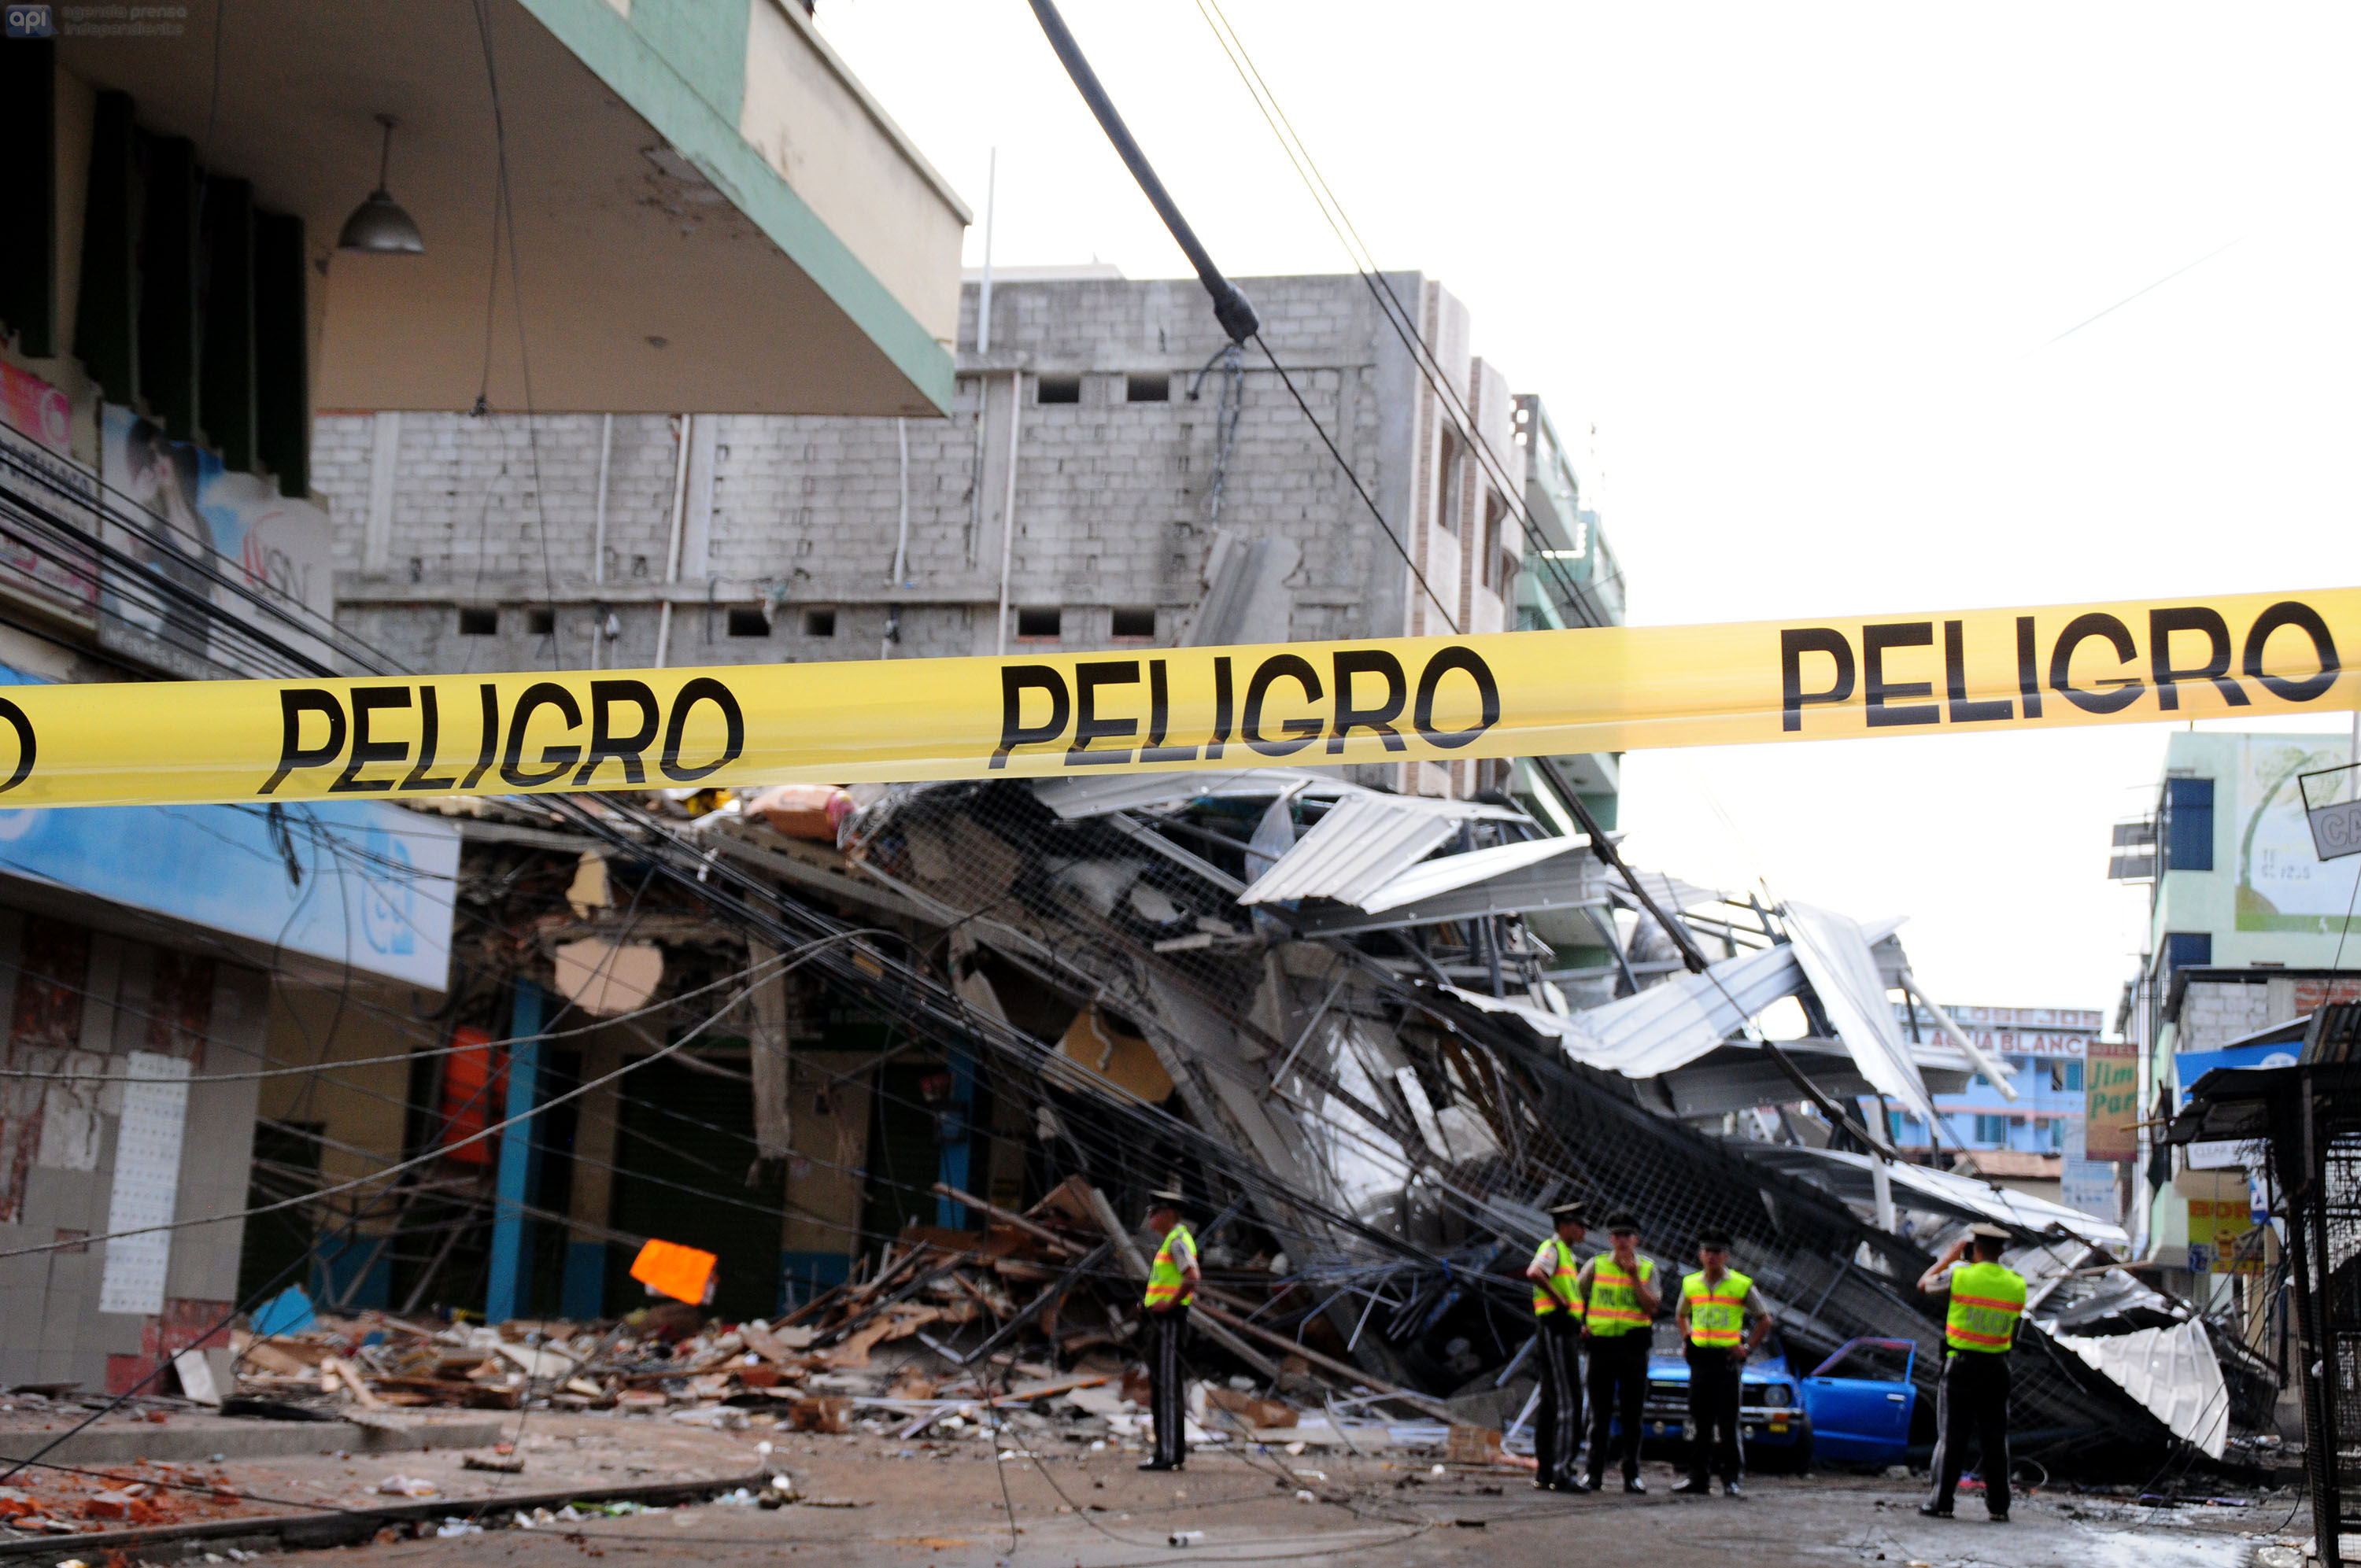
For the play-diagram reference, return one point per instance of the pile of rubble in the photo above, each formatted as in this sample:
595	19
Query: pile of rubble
984	1321
1376	1035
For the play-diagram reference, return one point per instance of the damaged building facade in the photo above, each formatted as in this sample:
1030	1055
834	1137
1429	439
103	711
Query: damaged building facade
1112	476
176	304
1374	1021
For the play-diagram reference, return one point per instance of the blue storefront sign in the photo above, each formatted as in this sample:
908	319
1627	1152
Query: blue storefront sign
359	884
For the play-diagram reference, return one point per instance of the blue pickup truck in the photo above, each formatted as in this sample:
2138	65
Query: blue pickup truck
1855	1405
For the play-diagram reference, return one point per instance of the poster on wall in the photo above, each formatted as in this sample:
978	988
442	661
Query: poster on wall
2283	884
209	552
52	568
2111	1101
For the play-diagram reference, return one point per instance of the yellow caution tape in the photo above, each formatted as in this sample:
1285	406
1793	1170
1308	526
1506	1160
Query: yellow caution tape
1440	699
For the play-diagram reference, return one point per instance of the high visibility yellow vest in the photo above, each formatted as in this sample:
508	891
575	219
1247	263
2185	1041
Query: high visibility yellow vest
1986	1301
1717	1312
1559	1292
1614	1305
1167	1286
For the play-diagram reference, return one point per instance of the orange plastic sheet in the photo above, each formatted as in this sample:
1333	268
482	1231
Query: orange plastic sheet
680	1272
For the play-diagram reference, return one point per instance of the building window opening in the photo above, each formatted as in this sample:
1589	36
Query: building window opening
819	623
479	623
1039	625
748	622
1057	389
2185	825
541	623
1135	623
1147	388
1496	568
1448	485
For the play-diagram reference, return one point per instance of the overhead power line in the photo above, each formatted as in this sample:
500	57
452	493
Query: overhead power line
1230	307
1391	307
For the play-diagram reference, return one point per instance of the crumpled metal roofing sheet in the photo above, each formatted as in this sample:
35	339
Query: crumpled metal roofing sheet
1964	1197
1366	841
1670	1024
1670	893
1076	797
1428	878
2172	1371
1835	956
1666	1025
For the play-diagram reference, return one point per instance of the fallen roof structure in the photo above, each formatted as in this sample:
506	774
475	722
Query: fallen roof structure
1395	1104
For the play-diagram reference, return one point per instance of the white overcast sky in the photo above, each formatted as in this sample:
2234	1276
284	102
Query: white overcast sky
1801	267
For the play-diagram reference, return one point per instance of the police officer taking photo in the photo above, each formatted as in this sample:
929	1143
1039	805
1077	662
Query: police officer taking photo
1173	1282
1979	1330
1558	1310
1715	1303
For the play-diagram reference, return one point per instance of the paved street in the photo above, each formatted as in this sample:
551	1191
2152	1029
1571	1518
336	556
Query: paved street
945	1509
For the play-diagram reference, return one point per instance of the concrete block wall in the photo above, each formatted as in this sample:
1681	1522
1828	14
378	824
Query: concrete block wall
2214	1012
1113	506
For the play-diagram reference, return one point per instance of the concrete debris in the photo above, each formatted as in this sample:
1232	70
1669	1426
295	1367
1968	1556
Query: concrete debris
1391	1089
1373	1038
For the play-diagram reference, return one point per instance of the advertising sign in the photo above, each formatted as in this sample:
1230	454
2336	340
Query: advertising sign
2111	1101
47	565
2284	884
202	540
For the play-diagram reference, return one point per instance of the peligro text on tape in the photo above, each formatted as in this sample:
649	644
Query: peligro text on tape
1510	694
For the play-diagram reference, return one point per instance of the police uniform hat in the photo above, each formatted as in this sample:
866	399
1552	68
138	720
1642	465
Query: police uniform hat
1579	1213
1989	1233
1715	1241
1167	1198
1623	1222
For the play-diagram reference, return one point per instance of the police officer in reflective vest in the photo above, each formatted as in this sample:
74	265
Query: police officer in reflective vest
1171	1284
1620	1298
1987	1299
1557	1350
1715	1303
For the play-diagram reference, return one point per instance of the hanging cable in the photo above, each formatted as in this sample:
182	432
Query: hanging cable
1391	306
1230	307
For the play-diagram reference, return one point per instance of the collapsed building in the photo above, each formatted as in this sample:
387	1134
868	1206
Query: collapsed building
902	1017
1374	1020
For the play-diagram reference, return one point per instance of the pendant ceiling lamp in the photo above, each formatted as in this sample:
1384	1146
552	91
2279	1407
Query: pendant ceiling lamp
378	225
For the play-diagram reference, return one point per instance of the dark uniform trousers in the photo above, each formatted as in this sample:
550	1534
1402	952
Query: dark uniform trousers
1619	1387
1166	1411
1972	1403
1713	1414
1557	1429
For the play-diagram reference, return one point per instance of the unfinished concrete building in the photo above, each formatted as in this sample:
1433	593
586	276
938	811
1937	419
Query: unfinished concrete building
1111	475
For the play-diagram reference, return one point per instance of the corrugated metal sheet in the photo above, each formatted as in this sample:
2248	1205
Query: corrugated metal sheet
1835	953
1666	1025
2174	1372
1076	797
1670	893
1428	878
1848	1175
1669	1025
1365	842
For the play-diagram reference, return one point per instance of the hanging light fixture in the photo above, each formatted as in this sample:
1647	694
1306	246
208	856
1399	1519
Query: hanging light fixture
378	225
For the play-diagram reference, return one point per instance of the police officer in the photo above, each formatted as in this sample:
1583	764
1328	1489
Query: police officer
1620	1299
1557	1349
1715	1304
1171	1284
1987	1299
